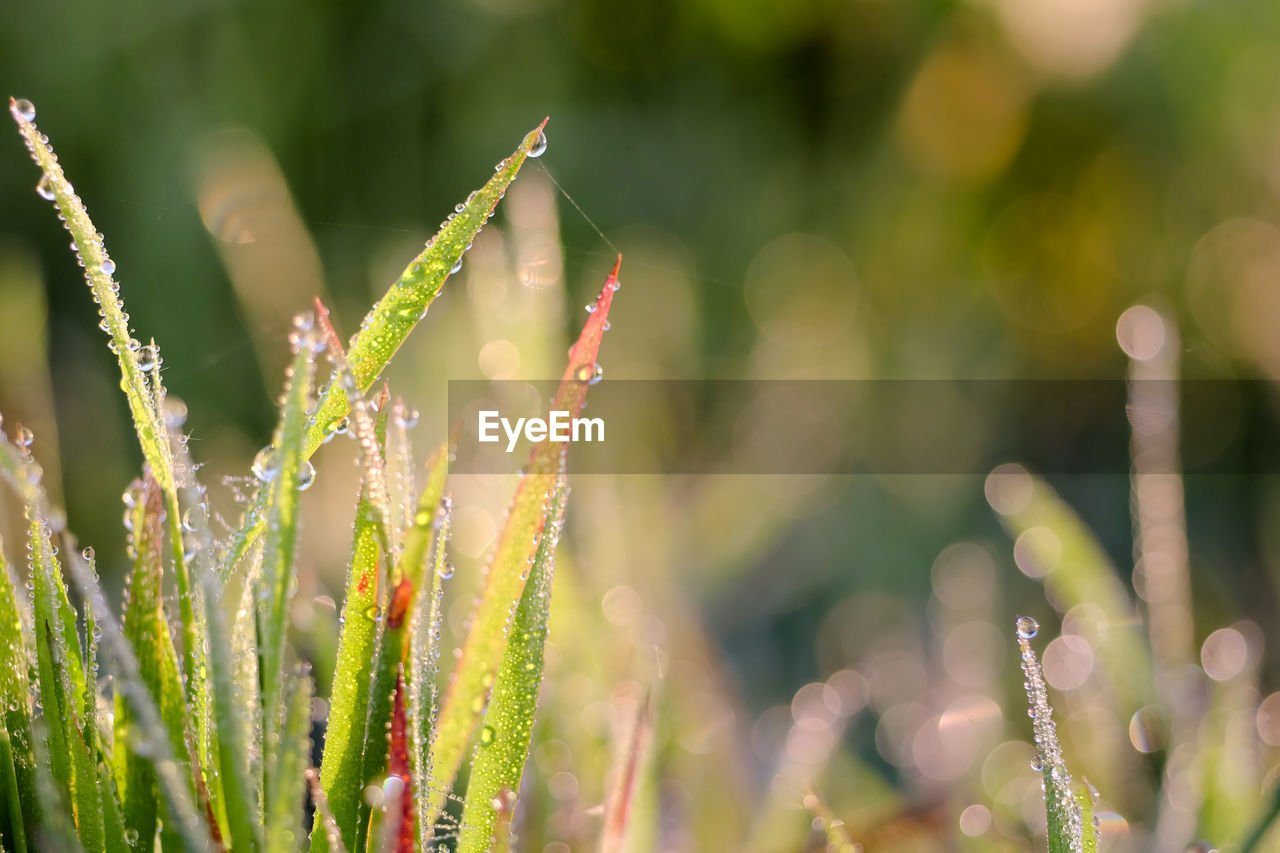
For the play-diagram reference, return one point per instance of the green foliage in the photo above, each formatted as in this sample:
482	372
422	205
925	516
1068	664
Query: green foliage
209	742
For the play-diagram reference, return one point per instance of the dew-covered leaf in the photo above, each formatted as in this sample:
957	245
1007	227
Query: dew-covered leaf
18	764
288	790
503	744
285	472
391	320
486	641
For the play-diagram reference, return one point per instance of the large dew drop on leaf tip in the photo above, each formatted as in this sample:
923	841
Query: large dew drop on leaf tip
25	109
1027	627
539	146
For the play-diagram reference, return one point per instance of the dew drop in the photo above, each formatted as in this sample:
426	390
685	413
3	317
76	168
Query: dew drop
44	189
456	267
26	109
1027	627
108	266
306	476
409	419
487	735
147	358
265	465
539	145
25	437
446	571
87	553
591	308
131	836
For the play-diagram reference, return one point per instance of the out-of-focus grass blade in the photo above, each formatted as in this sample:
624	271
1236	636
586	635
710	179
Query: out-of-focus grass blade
485	642
508	724
1081	573
286	474
288	779
324	821
143	399
15	699
146	628
12	823
617	816
389	322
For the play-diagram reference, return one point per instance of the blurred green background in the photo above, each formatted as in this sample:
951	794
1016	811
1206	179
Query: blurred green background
812	189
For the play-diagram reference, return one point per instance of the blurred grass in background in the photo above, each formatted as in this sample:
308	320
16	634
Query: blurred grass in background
812	189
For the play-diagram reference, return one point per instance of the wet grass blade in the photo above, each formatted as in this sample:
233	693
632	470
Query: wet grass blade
508	723
146	628
424	668
149	740
288	778
486	641
1066	829
144	396
18	762
12	822
286	472
391	320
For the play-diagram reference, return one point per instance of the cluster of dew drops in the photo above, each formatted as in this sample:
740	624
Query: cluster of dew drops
1048	748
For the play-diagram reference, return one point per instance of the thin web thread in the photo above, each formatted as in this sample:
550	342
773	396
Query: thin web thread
578	207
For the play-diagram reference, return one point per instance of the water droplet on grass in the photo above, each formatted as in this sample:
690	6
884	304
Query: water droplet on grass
539	146
306	476
26	109
25	437
265	466
487	735
108	266
44	189
131	836
456	267
1027	627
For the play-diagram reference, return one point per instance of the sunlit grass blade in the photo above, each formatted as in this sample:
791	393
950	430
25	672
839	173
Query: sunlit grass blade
617	817
144	397
18	762
146	627
391	320
239	802
508	723
149	739
287	793
485	642
324	822
424	667
285	473
13	829
1088	832
1066	830
398	834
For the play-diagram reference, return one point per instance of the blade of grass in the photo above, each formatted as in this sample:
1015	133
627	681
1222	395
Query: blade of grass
484	645
288	783
508	723
13	825
613	838
143	399
286	476
424	666
391	320
324	821
15	699
1061	806
149	739
146	628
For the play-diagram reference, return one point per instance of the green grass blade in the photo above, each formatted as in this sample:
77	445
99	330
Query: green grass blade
286	475
144	399
15	699
424	669
112	817
13	824
146	628
508	724
391	320
174	786
1088	832
324	822
238	802
485	642
1061	806
340	768
288	778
